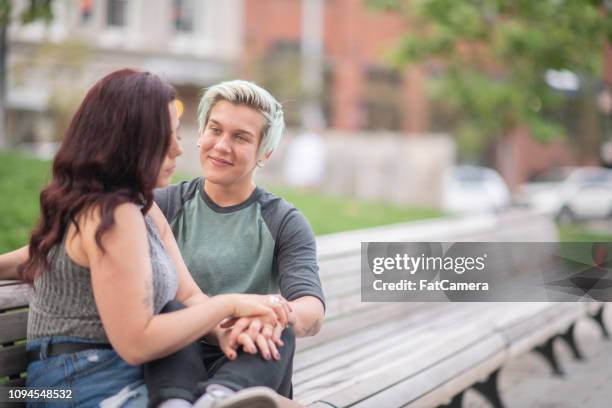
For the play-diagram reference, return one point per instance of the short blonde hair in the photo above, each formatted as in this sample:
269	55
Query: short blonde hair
247	93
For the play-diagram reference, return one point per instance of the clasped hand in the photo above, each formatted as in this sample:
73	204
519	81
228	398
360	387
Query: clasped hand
256	334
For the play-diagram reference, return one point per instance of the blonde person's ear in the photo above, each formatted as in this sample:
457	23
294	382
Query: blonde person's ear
262	162
199	142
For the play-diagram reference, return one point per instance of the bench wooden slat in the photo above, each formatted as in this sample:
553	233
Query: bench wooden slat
500	318
474	366
13	326
416	356
342	285
344	305
339	265
370	339
379	338
356	322
14	296
9	282
552	319
12	360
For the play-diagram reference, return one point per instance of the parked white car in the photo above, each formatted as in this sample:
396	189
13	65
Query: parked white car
473	189
577	193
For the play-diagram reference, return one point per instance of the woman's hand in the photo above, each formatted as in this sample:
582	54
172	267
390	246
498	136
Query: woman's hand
270	308
252	332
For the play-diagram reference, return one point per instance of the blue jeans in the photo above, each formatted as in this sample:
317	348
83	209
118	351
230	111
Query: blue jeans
96	377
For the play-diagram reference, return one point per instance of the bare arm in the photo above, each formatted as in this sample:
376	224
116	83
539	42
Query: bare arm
188	293
308	315
10	261
122	284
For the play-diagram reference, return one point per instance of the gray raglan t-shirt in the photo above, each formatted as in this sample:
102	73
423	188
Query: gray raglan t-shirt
259	246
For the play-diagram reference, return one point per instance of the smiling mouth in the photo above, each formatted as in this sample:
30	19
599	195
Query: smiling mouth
219	162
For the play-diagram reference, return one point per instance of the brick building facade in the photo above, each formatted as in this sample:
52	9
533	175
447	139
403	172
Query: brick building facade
362	93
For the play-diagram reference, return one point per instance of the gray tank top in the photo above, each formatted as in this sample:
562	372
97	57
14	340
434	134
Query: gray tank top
63	302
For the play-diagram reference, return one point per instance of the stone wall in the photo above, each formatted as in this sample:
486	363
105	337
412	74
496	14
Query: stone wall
377	166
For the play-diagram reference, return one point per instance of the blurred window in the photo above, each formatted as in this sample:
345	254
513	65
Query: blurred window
182	15
85	10
279	72
116	12
383	99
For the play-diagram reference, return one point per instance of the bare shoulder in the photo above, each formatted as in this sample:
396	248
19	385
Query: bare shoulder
128	222
159	219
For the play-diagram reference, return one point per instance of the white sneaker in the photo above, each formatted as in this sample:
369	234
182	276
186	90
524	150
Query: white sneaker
218	396
175	403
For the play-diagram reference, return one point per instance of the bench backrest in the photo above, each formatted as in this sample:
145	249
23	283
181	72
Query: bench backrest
13	322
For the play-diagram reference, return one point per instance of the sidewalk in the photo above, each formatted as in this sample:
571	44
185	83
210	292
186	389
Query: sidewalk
527	381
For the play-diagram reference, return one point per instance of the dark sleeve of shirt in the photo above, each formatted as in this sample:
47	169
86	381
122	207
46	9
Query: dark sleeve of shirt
170	199
296	258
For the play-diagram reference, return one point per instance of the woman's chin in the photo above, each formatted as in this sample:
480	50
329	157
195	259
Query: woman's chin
163	182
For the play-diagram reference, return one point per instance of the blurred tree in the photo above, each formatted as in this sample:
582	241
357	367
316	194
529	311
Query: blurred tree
496	63
34	10
279	71
63	64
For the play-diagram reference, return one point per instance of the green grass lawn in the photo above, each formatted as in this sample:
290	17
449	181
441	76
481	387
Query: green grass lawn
328	214
21	179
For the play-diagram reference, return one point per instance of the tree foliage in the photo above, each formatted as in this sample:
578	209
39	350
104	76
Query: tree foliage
492	57
34	10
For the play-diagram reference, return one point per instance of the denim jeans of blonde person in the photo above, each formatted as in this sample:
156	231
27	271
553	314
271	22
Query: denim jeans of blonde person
95	377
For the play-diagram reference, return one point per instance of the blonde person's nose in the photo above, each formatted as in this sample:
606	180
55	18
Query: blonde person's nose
224	144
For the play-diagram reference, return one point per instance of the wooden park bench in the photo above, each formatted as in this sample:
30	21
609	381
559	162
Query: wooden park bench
424	354
391	354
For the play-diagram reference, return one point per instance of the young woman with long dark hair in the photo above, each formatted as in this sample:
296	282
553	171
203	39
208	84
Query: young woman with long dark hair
103	260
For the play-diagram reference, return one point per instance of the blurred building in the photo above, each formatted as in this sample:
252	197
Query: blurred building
361	92
194	43
190	43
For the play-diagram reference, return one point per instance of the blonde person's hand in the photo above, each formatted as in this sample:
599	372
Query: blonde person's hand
282	308
253	335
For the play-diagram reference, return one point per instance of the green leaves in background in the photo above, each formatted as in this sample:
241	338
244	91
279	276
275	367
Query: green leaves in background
488	59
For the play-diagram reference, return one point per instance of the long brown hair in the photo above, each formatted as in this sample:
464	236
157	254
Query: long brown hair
111	154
